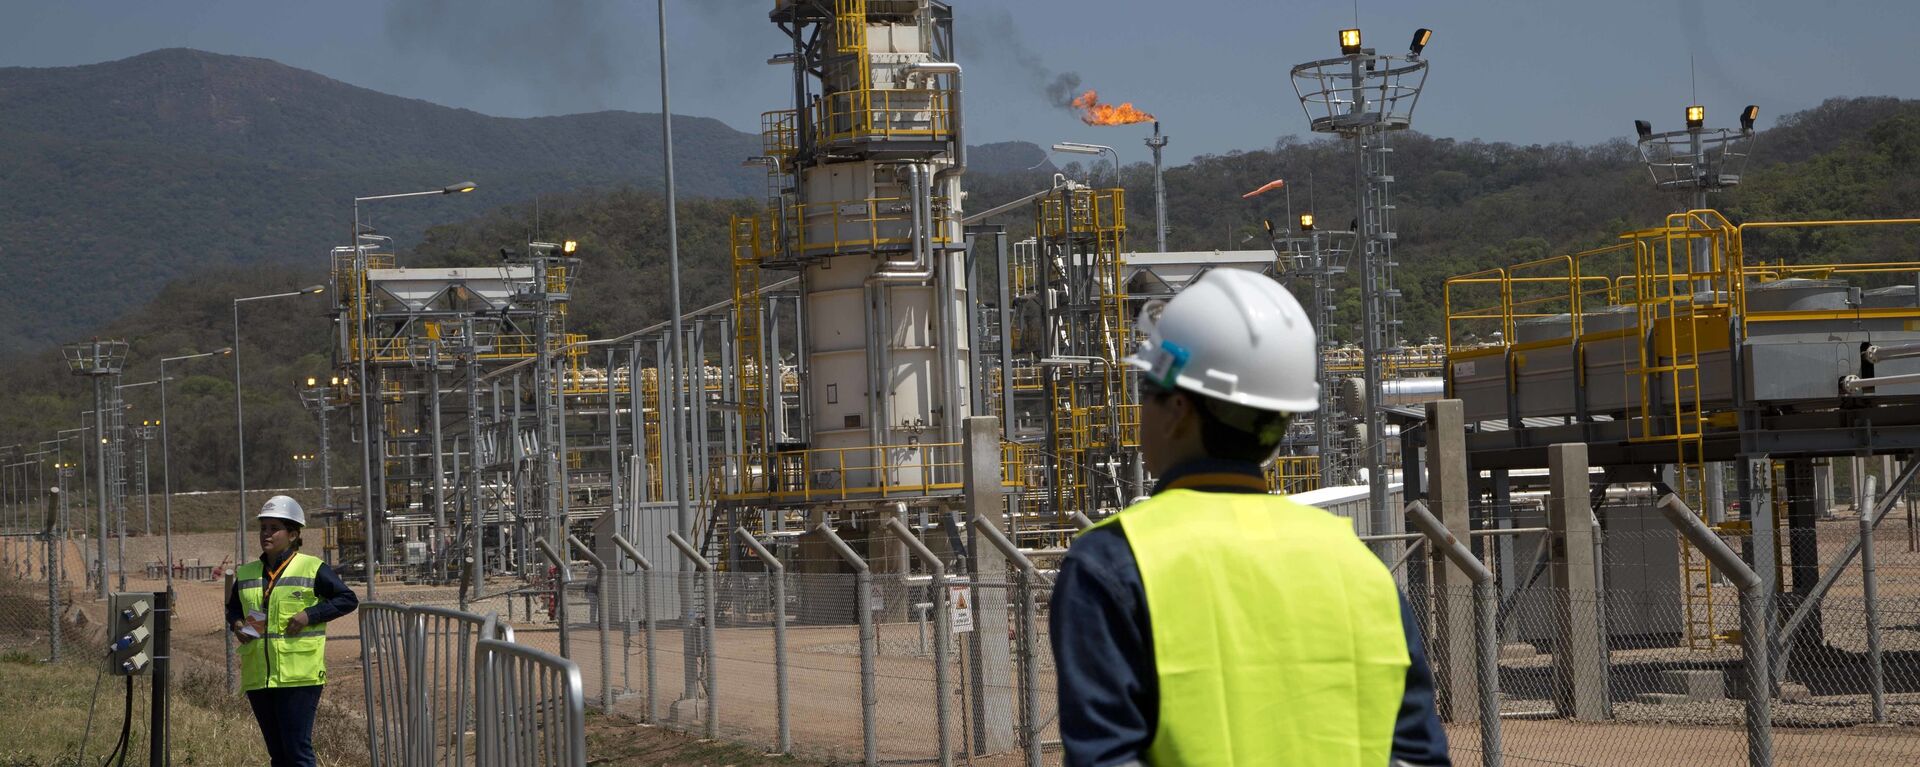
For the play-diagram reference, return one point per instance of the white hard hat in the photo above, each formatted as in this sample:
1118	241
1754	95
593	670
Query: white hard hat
282	507
1235	336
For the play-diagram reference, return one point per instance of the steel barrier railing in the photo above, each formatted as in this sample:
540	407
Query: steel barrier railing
442	669
385	675
532	707
416	665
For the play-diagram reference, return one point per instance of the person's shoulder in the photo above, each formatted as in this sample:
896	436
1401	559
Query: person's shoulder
1101	549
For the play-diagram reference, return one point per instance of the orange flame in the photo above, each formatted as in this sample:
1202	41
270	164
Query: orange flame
1092	112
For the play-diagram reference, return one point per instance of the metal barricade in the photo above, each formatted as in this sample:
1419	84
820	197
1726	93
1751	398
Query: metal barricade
418	664
441	668
386	675
532	707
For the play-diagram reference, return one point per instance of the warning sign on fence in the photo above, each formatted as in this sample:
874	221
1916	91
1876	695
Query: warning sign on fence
960	603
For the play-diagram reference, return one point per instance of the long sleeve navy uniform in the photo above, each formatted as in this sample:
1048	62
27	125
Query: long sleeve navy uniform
335	598
1103	653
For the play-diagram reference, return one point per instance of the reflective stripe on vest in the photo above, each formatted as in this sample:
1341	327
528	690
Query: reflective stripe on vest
279	659
1276	634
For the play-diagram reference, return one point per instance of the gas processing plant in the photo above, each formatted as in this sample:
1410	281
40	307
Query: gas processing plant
1605	486
890	356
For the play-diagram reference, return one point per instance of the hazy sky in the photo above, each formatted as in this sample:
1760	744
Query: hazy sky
1214	71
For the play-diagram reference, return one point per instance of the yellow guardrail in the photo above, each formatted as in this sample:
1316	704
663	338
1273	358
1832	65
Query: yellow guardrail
857	473
874	222
883	113
780	132
1293	473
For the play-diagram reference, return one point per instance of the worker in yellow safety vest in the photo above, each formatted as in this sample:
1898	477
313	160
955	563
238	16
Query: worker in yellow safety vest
1215	623
278	610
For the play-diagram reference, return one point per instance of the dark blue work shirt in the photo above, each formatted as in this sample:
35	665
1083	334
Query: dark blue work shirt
1103	645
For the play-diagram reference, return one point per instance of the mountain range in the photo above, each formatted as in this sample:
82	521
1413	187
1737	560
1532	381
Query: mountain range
123	175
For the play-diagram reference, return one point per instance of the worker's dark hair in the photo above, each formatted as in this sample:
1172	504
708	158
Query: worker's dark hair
1229	431
1222	439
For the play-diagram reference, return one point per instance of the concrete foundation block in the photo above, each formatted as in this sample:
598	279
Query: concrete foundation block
1662	698
1698	685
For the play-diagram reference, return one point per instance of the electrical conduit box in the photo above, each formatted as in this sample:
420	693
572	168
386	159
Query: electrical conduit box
130	633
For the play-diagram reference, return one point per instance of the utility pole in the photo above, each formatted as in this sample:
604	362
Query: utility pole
100	360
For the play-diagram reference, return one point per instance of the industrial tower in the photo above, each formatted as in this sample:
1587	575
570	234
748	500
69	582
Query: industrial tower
1363	96
864	179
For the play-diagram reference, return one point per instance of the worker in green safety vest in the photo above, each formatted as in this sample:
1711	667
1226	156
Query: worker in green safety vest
278	610
1214	623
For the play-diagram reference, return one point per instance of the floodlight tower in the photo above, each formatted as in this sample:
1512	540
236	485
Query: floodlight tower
1316	256
1692	164
145	432
319	398
1696	162
1362	96
102	361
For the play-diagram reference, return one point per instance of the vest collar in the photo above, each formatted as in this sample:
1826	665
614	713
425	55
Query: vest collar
270	562
1214	475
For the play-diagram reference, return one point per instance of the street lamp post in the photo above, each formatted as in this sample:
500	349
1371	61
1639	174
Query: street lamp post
38	459
166	455
239	415
99	360
145	434
119	477
370	518
1075	147
66	525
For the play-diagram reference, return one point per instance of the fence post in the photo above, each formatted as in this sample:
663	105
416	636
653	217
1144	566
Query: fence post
942	630
565	574
778	572
1579	656
1452	641
989	657
863	602
646	610
1753	644
1029	577
1486	628
52	567
701	564
233	685
600	593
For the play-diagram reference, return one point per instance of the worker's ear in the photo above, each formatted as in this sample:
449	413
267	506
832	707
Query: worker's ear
1186	414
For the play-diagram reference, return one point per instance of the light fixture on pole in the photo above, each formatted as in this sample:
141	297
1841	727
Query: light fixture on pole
1076	147
166	463
1363	96
99	360
319	398
239	413
357	321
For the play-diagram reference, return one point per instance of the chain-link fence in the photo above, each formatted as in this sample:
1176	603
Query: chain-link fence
202	667
1616	643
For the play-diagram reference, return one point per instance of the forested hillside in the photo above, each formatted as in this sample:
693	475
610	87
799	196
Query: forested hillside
1463	205
123	175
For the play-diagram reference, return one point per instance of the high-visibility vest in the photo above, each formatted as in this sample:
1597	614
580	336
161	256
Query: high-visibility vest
1277	636
279	660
